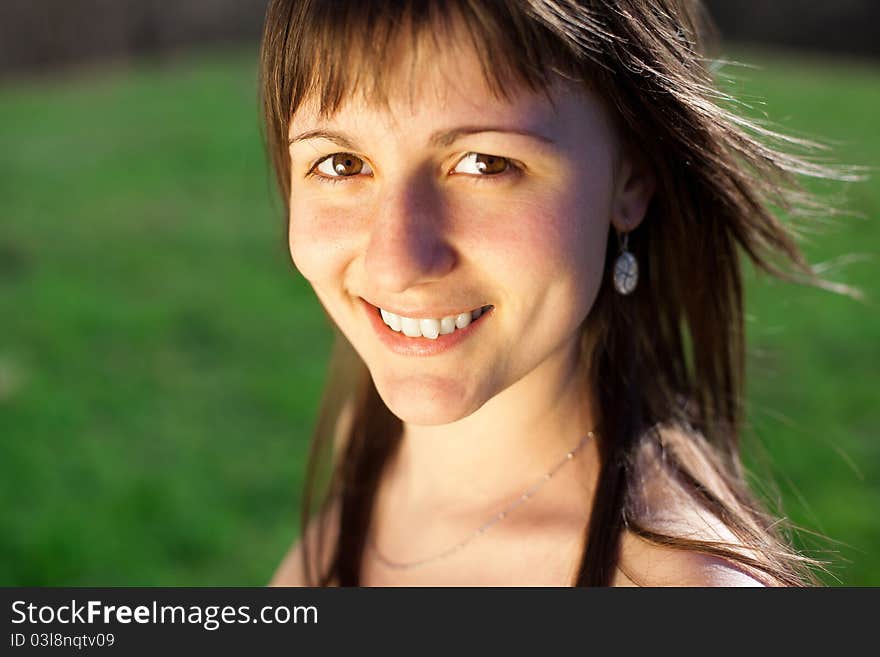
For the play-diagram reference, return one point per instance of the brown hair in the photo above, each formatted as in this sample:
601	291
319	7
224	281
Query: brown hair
666	362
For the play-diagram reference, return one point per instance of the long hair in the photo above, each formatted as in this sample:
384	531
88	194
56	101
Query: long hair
667	362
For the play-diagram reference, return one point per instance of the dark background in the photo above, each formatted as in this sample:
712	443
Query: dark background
36	34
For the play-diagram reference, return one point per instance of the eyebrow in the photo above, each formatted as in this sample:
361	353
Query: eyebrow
441	138
337	137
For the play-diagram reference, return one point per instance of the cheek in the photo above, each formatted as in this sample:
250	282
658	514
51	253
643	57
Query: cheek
555	237
572	231
320	239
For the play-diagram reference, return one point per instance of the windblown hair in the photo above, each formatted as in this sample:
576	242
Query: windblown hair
667	362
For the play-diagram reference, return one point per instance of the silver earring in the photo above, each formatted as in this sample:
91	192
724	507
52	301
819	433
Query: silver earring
626	269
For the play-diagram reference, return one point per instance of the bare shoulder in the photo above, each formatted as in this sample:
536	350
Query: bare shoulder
291	570
646	564
664	504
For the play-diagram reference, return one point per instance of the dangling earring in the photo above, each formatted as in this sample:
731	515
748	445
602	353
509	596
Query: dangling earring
626	269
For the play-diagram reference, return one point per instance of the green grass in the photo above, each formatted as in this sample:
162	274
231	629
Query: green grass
814	355
160	360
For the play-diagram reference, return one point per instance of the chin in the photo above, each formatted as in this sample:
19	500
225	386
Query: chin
426	400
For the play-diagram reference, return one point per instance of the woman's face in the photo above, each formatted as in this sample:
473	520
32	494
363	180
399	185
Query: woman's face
446	201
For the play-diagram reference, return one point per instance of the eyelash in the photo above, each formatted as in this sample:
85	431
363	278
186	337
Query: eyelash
313	171
513	169
328	179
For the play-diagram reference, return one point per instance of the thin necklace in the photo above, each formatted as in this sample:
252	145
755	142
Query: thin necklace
406	565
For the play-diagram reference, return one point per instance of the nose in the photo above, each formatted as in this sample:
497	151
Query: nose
408	243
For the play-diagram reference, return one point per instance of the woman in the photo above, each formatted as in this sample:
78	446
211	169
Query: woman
524	220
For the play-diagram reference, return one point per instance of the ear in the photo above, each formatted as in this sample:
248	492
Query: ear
634	187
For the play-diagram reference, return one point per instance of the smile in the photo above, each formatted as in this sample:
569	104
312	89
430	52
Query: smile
431	328
429	336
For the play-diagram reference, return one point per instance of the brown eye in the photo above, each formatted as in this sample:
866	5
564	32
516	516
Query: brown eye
490	163
342	165
346	164
482	164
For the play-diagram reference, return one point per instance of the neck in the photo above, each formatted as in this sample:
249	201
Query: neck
504	447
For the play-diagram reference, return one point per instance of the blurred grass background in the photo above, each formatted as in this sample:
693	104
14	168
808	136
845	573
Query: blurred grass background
161	361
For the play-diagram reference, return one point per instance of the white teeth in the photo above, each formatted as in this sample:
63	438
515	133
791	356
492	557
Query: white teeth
429	328
391	319
410	327
447	325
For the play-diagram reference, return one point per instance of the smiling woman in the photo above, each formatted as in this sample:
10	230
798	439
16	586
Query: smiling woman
524	218
401	232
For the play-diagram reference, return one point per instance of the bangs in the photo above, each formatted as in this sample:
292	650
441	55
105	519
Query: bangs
330	51
327	51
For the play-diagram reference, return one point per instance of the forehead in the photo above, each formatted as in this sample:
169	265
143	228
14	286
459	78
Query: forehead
425	87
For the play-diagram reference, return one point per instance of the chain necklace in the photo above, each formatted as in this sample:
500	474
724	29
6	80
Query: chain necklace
526	496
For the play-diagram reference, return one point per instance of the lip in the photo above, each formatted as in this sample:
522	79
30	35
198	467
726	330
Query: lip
404	346
422	312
